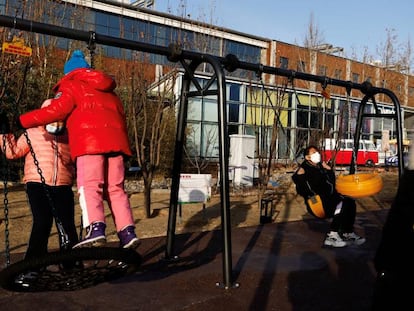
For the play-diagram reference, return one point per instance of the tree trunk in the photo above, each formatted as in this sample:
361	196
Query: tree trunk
147	200
147	177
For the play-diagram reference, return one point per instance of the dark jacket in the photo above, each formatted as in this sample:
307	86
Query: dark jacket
318	180
395	252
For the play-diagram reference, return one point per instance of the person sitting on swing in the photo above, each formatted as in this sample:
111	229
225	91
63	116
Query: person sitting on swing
316	177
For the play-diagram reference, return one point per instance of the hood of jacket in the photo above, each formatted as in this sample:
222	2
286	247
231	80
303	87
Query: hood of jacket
95	79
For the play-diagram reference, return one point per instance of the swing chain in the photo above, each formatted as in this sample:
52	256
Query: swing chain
325	83
92	47
354	154
6	204
64	240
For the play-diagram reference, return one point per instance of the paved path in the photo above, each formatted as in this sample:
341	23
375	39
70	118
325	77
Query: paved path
278	266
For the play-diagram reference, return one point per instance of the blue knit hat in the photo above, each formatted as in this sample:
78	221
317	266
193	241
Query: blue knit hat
76	61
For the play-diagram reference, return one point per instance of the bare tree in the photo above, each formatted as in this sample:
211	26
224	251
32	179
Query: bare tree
405	57
314	36
150	119
387	50
197	155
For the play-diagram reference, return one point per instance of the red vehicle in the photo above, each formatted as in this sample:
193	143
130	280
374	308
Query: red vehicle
342	153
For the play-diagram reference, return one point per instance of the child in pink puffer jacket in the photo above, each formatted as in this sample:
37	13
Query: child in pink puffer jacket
57	168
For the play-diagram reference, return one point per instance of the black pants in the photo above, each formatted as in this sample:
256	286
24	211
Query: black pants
344	221
43	216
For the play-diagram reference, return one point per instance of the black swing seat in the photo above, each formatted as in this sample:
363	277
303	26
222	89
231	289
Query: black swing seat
70	270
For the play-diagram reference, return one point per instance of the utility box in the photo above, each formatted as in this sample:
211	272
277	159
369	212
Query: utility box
241	162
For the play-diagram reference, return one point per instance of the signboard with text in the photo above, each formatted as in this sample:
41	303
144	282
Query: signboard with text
17	47
194	188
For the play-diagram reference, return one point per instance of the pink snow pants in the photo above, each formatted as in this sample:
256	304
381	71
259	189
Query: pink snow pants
99	178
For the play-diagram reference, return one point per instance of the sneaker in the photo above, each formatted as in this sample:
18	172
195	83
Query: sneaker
128	238
353	238
334	239
95	236
26	279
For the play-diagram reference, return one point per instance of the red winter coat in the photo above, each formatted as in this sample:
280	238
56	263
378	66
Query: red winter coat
94	114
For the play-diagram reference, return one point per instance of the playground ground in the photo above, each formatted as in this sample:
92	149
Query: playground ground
280	265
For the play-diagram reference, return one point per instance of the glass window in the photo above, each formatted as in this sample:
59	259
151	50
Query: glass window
322	70
233	112
301	66
234	92
302	118
243	51
194	109
209	140
249	130
338	74
233	129
355	77
284	62
2	8
193	139
316	118
283	150
329	121
210	111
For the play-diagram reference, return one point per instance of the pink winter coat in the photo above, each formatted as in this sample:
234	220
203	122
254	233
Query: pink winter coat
51	151
94	114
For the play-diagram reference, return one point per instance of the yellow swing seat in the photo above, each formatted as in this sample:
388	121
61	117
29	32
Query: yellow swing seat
359	185
316	206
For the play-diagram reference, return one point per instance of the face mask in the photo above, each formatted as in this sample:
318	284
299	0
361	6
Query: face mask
315	157
55	128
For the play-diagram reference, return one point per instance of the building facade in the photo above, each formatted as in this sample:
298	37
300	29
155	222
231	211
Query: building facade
258	104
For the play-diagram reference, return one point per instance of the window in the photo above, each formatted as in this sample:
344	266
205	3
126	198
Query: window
209	140
284	62
233	104
302	117
233	129
234	92
301	66
210	110
244	52
338	74
323	70
233	109
355	77
194	109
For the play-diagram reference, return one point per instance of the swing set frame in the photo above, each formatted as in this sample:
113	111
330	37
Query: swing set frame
216	86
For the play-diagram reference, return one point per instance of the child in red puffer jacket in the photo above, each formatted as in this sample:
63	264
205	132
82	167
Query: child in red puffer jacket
98	140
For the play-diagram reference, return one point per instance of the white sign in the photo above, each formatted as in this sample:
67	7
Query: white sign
194	188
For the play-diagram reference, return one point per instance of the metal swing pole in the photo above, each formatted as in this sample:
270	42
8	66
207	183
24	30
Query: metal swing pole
396	116
220	92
